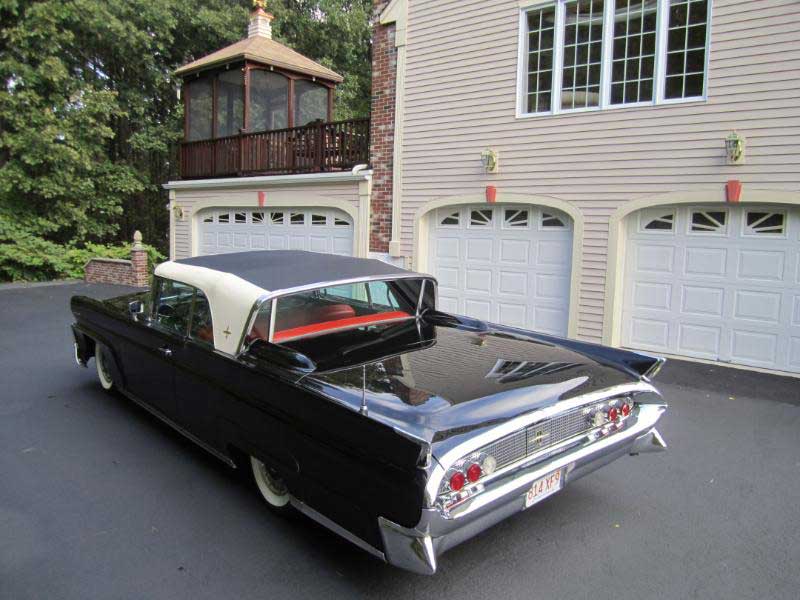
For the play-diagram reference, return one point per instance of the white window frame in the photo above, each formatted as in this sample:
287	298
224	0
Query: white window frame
659	68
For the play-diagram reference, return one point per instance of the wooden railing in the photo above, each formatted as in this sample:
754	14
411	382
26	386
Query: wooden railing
314	148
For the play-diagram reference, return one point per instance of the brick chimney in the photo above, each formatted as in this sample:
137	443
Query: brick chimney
260	23
384	86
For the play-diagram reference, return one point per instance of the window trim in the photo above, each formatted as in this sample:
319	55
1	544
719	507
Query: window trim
659	68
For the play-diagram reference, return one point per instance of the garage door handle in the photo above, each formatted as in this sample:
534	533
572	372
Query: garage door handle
165	351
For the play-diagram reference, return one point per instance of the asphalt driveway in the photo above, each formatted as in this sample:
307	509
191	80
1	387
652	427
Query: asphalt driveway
100	500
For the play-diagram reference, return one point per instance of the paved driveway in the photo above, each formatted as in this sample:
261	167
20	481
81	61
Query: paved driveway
100	500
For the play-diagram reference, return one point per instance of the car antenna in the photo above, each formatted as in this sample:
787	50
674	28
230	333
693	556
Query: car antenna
364	410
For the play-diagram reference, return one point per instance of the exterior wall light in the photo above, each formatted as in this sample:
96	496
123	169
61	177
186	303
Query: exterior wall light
734	148
177	210
490	160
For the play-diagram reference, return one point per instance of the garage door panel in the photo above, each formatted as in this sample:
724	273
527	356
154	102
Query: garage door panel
501	266
760	265
655	259
551	287
699	340
794	353
759	306
700	300
237	230
447	248
653	333
512	314
513	283
650	295
478	280
516	252
258	241
705	261
753	347
480	249
549	320
735	292
480	309
553	253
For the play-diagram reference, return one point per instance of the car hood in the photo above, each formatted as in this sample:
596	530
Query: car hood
460	380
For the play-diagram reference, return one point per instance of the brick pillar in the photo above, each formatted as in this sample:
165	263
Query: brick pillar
139	277
384	86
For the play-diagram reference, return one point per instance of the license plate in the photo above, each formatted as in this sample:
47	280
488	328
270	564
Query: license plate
544	487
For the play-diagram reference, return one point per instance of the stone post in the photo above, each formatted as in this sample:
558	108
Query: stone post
139	276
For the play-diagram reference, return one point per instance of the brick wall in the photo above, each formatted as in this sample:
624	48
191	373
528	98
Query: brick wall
384	78
119	271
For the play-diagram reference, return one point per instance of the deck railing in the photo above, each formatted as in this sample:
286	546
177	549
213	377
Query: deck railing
314	148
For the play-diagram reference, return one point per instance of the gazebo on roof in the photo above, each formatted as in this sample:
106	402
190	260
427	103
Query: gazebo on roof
259	107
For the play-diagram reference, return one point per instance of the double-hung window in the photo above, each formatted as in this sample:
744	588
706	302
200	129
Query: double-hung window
594	54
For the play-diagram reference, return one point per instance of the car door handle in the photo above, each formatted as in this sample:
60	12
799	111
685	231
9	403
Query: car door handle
165	351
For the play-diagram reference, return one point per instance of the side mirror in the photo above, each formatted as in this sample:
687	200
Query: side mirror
136	307
279	356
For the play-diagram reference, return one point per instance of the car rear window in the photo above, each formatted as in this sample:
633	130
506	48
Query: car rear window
335	308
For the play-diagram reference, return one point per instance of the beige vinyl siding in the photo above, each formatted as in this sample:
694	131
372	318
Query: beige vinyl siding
460	98
191	201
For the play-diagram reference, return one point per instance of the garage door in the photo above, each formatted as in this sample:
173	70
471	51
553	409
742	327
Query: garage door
507	264
237	230
714	282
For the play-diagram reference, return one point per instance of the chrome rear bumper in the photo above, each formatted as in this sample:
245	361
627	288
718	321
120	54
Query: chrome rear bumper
417	549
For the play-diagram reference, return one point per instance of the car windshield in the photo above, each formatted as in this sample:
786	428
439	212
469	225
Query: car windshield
335	308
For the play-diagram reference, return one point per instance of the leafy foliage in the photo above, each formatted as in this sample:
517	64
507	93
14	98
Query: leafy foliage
90	118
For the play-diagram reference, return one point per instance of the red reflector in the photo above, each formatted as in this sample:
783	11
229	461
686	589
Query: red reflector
626	410
457	481
612	414
474	472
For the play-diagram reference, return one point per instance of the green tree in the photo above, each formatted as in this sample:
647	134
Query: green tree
90	119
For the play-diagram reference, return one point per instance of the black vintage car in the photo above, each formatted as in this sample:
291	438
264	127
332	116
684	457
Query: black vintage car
355	401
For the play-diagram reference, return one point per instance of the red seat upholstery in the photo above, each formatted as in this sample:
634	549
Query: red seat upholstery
332	312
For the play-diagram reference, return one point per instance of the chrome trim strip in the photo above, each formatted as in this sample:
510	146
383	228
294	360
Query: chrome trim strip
452	455
79	362
272	313
334	527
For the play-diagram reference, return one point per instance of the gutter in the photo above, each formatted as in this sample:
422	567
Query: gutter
359	173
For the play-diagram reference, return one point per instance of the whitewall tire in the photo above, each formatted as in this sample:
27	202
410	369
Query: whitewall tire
103	361
272	488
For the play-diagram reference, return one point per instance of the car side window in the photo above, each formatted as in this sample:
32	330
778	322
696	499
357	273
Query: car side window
201	328
173	306
380	294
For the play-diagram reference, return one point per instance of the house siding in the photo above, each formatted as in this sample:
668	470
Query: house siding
192	201
460	98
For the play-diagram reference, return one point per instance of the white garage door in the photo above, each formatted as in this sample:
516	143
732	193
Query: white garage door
238	230
506	264
715	282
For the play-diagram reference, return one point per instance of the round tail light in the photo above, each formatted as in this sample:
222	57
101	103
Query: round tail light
474	472
613	413
626	409
457	481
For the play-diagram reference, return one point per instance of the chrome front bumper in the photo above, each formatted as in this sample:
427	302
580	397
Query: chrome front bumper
417	549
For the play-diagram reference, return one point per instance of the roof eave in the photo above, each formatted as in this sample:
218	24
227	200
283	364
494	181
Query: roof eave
198	68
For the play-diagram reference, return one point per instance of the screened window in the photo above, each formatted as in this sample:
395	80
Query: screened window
269	101
589	54
199	99
310	102
230	103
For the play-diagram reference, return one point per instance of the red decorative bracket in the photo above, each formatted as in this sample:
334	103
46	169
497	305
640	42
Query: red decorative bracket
491	194
733	190
262	199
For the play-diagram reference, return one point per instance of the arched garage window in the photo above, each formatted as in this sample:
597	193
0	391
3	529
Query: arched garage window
269	101
310	102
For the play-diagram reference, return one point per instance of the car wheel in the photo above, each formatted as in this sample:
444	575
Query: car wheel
103	360
273	489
